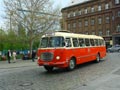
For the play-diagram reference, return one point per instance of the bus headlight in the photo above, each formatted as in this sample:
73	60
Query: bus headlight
58	58
38	58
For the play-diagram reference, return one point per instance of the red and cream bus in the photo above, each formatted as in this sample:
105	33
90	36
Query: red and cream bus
66	50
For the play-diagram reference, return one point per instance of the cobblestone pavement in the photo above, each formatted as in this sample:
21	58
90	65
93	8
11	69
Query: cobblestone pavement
33	77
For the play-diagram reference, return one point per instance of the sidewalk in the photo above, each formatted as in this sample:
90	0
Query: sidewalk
19	63
109	82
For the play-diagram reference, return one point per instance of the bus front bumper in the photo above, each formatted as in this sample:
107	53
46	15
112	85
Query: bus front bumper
55	64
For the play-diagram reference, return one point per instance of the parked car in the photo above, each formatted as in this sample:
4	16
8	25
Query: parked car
26	56
115	48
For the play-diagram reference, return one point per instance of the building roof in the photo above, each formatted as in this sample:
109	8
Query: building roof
77	4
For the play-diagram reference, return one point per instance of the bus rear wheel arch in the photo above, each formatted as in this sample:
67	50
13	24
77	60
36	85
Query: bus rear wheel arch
71	64
97	58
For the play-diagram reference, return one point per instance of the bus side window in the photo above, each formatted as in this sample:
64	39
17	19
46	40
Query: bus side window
75	42
87	42
92	42
81	42
96	42
68	42
101	42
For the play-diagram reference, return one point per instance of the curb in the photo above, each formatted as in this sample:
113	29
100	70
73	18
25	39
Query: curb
16	67
18	64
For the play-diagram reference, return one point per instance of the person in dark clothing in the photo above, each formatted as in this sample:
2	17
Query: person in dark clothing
33	55
9	55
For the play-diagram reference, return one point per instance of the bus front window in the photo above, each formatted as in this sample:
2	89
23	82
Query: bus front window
52	42
56	42
44	42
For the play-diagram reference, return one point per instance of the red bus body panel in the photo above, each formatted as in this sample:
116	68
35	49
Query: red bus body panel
81	55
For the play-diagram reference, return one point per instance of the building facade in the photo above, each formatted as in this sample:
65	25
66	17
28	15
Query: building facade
97	17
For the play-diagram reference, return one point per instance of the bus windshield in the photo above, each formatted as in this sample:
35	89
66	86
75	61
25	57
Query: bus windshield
52	42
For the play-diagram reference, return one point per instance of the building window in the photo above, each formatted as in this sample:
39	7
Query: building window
74	25
86	33
100	33
117	1
86	23
118	13
80	24
80	12
92	22
108	32
93	33
71	14
86	11
118	28
107	19
74	14
99	20
107	6
69	26
92	9
99	8
68	15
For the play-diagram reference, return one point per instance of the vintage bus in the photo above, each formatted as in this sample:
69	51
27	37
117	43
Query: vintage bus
66	50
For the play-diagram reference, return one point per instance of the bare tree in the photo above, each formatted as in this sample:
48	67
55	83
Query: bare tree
36	16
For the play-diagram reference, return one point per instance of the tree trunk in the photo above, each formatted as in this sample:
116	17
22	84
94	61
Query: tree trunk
31	47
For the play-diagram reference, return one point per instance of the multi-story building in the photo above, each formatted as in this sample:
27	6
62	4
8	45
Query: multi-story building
98	17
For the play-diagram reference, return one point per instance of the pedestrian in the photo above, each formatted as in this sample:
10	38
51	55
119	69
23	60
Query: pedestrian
33	55
14	56
9	55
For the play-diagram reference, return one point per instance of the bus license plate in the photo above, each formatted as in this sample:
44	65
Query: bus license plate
46	63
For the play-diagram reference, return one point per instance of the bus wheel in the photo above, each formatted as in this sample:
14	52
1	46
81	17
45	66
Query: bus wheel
49	68
98	58
72	64
119	50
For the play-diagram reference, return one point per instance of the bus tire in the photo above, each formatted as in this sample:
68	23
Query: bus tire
71	65
97	58
48	68
119	50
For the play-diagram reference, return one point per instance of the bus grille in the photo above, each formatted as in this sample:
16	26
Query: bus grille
46	56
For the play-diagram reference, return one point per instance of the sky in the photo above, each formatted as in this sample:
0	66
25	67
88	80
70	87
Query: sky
1	13
60	3
65	3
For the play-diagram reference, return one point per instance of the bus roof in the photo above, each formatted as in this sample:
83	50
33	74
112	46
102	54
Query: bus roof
73	35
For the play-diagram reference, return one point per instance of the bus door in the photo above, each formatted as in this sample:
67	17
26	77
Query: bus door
82	50
88	49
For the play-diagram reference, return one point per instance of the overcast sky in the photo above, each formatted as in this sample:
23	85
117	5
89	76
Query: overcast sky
60	3
1	12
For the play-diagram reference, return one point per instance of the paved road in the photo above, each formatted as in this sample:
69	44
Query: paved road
29	76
